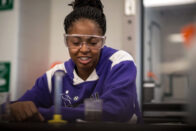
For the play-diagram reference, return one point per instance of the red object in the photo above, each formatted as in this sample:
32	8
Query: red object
151	74
55	63
188	33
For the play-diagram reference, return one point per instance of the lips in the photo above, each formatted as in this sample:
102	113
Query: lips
84	59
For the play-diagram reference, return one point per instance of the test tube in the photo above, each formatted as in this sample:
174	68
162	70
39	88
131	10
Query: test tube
58	87
58	91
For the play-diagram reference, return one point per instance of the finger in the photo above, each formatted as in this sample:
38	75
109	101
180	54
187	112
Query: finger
33	108
21	114
21	111
15	115
40	117
28	111
18	117
12	113
35	113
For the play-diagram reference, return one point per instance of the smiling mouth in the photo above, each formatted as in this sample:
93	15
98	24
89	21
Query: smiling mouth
84	60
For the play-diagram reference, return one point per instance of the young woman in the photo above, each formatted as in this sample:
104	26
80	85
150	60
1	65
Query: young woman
94	71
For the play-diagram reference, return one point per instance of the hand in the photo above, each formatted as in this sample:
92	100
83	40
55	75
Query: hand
25	111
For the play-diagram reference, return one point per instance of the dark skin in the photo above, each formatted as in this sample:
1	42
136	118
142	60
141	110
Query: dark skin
85	27
27	111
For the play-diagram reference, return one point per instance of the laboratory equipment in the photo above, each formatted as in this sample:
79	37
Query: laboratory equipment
93	109
57	117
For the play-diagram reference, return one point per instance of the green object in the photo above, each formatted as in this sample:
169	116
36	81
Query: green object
4	76
6	4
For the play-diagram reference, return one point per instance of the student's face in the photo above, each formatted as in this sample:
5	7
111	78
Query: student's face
85	58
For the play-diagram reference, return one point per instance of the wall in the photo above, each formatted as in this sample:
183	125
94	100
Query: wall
58	51
9	28
24	42
33	47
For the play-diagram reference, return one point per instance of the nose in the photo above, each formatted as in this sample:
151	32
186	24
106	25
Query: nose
84	48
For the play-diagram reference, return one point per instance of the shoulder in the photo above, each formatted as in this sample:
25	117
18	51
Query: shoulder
111	58
121	68
56	68
51	72
119	57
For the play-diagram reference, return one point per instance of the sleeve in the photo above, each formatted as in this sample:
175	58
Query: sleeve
39	93
119	97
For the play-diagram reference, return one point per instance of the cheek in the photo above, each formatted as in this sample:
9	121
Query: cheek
96	55
72	54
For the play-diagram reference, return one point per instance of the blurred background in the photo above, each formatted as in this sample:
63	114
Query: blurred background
159	34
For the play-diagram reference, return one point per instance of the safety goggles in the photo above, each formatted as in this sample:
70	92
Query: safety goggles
76	41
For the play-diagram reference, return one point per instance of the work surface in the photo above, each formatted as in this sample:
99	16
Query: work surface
99	126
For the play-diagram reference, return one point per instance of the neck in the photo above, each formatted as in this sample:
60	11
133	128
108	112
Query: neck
84	73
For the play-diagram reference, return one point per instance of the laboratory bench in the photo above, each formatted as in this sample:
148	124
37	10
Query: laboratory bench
97	126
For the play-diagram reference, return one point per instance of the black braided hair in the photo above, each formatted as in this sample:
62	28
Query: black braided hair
90	9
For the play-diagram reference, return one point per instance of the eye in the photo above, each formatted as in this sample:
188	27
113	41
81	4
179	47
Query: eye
93	43
76	43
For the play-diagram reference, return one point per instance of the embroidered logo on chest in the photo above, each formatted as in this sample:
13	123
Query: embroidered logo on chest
68	100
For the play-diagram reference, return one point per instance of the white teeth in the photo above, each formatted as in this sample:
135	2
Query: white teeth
84	58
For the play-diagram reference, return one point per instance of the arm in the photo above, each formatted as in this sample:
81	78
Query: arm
25	108
119	97
39	94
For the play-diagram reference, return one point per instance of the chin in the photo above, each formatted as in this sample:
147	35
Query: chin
86	67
